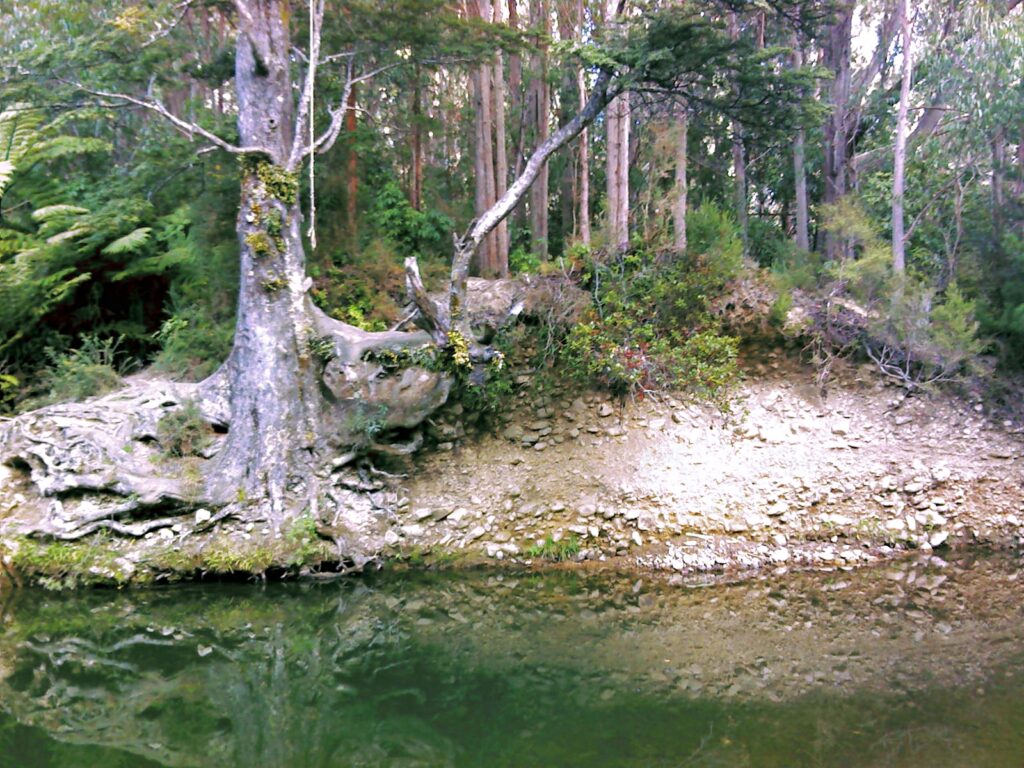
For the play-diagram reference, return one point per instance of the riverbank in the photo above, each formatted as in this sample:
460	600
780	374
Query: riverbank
790	478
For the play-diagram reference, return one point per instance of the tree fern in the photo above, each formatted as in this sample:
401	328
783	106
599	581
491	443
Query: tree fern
19	131
130	243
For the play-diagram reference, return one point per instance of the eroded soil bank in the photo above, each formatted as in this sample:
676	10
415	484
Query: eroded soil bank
790	478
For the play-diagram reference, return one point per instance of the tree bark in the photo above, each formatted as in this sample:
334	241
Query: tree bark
352	176
900	160
500	154
680	205
739	161
540	20
617	163
837	145
272	391
803	241
583	215
416	177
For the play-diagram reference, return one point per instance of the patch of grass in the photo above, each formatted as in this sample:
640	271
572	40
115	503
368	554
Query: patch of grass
65	565
555	551
183	432
224	556
303	542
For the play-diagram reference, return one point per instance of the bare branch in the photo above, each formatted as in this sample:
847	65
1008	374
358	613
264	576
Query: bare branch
190	129
183	8
327	139
300	147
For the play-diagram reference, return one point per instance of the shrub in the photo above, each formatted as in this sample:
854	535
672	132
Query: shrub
183	432
652	326
95	368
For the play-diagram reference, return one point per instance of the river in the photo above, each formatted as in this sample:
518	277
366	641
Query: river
913	663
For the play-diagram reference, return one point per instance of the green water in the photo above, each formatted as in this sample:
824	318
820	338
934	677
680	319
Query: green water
911	664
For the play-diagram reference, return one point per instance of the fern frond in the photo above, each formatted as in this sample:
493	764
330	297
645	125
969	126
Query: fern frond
68	234
67	146
53	211
19	130
130	243
7	169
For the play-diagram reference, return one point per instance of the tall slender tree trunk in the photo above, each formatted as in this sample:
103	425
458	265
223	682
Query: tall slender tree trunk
500	156
352	179
680	204
739	161
998	192
837	141
899	263
568	98
519	112
416	180
540	20
617	161
583	215
803	240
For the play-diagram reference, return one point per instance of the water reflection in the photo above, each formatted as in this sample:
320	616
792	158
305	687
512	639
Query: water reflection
917	663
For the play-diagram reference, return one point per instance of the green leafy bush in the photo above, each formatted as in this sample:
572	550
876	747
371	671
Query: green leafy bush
412	232
95	368
651	327
183	432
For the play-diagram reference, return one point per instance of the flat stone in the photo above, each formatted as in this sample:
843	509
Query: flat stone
412	530
391	538
202	516
476	533
841	427
604	410
513	432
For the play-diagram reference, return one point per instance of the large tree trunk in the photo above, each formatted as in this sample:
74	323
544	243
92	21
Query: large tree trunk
899	166
273	393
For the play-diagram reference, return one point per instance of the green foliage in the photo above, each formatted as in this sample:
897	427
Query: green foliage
303	542
322	348
225	556
65	565
523	261
367	422
555	551
260	244
184	431
410	231
278	183
93	369
652	328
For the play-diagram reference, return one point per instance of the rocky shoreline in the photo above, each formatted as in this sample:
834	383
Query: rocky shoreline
788	479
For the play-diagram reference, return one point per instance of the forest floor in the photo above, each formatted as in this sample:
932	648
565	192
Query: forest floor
789	478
